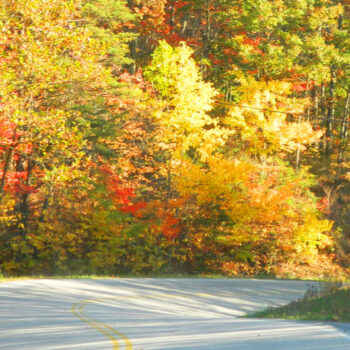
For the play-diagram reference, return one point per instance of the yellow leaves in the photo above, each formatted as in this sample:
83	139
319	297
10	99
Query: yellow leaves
61	174
7	213
312	235
261	118
207	183
48	48
297	135
252	204
219	184
185	100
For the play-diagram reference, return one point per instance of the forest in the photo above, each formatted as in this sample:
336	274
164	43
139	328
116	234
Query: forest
152	137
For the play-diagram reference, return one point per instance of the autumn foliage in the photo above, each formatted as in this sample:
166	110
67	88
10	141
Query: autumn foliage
195	136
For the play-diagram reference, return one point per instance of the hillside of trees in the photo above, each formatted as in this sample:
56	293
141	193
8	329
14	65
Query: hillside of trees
168	136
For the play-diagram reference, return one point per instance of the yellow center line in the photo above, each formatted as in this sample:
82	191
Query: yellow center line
109	332
78	311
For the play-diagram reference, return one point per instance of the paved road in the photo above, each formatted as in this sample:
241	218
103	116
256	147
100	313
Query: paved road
140	314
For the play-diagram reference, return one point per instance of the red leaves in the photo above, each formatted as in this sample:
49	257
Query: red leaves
8	134
162	217
133	208
15	182
230	52
303	86
9	146
180	4
300	87
323	205
252	41
170	227
253	72
120	194
214	60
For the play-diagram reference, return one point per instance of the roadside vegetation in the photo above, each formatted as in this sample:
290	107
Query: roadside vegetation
143	137
317	306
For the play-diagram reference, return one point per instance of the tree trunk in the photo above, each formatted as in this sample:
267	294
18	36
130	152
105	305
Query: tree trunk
5	170
132	45
206	34
343	135
330	117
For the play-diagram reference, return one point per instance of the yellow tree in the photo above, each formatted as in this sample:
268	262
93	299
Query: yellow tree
50	63
238	204
262	119
185	101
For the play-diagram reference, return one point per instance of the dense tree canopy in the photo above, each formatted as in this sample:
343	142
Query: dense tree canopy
199	136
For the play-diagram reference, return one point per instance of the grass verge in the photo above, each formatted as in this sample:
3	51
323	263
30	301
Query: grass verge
77	276
334	306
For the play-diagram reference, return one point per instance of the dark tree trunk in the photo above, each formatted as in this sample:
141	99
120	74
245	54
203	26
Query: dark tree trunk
330	117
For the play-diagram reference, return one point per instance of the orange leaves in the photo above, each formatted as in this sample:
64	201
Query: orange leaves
252	41
269	196
251	208
229	51
152	14
303	86
135	209
233	268
170	227
180	4
102	142
120	193
136	79
323	205
162	217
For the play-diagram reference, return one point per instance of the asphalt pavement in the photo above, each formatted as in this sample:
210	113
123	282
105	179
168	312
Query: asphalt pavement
146	313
